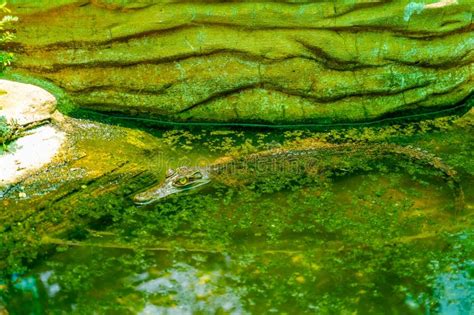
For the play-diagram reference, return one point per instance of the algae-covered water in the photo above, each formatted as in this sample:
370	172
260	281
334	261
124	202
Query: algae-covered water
383	241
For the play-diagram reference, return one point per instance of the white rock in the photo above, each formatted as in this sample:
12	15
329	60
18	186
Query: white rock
25	103
29	153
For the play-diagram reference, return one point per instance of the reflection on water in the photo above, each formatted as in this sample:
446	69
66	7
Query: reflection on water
184	288
455	290
189	290
51	289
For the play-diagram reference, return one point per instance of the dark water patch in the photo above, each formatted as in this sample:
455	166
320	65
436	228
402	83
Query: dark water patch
407	116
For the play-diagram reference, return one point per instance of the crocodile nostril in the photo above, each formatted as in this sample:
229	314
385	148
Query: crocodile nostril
170	172
197	175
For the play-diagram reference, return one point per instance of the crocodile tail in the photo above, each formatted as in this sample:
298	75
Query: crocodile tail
427	159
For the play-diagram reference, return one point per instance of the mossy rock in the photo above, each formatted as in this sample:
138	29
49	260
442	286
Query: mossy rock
269	62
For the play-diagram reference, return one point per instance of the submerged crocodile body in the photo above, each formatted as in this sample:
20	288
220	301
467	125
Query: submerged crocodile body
315	161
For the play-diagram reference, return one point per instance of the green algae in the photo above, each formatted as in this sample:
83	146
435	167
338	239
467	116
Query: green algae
381	240
218	62
273	263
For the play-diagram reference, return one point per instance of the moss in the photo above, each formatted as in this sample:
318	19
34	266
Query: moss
251	61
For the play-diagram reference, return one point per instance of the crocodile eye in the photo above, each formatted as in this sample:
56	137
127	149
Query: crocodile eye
183	180
170	172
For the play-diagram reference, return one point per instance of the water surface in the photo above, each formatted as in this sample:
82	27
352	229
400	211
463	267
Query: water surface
386	241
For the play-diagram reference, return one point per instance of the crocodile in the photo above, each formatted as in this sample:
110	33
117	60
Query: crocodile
314	161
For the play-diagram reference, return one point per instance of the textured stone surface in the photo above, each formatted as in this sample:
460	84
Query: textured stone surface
277	62
25	103
30	153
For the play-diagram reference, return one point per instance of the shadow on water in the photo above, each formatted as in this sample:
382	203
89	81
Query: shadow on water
394	118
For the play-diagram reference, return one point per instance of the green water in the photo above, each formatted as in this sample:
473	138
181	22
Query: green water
385	241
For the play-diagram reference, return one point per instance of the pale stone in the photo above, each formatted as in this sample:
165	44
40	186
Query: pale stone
440	4
25	103
29	153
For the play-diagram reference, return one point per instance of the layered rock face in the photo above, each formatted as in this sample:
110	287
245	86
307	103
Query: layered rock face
253	61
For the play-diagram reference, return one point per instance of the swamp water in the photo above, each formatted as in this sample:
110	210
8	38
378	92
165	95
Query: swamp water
386	241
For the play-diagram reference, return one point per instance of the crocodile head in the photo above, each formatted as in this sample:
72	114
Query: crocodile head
178	180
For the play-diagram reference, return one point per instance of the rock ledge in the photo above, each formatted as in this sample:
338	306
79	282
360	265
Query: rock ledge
27	104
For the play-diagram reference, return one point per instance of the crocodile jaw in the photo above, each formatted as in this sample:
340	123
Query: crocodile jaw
162	190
